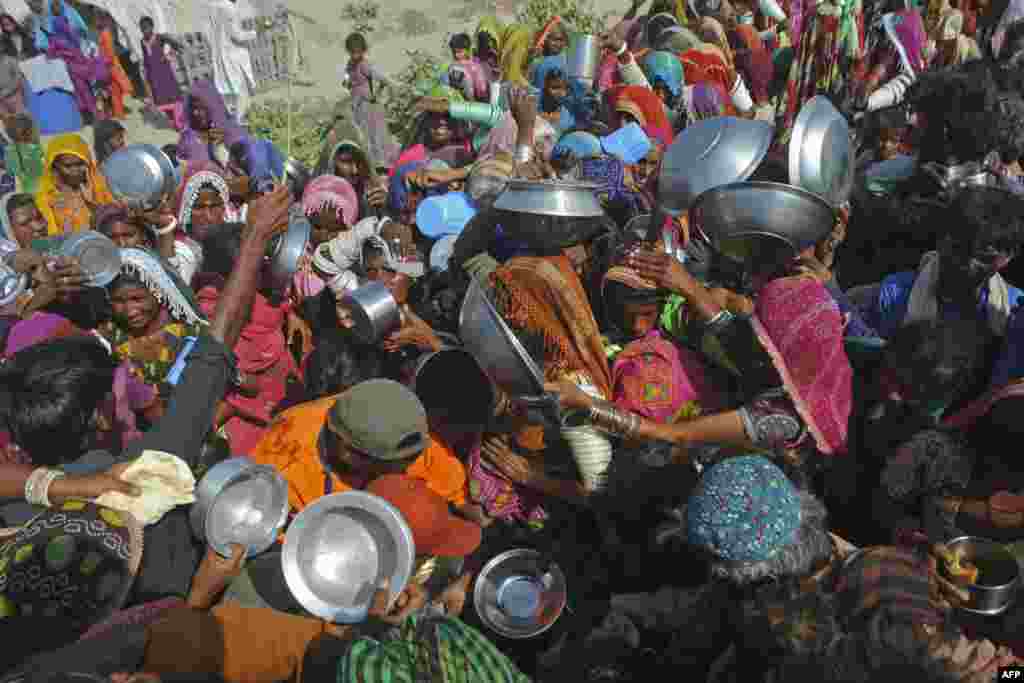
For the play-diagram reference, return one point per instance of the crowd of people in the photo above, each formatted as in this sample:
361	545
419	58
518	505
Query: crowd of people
752	469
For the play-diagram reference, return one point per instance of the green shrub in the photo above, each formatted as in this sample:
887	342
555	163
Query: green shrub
413	23
579	15
362	14
411	83
310	120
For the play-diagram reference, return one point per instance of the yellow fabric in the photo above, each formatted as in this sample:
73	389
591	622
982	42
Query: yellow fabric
515	53
70	219
492	27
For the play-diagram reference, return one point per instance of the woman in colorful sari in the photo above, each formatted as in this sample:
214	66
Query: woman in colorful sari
664	73
556	90
436	136
754	60
827	40
346	158
901	51
545	304
85	72
154	313
211	130
120	84
331	205
71	187
706	63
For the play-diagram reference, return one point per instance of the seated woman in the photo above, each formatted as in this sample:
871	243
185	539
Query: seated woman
211	130
154	313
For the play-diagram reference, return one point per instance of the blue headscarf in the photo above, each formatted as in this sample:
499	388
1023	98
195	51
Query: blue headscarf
265	162
665	68
44	26
547	67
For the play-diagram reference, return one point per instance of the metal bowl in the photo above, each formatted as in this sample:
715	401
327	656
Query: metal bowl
821	158
96	254
238	501
550	198
999	575
296	176
12	285
338	549
709	154
759	222
520	595
374	312
286	251
495	346
141	176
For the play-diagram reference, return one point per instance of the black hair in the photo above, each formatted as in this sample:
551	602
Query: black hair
436	298
460	41
221	248
146	20
988	217
337	364
940	358
54	389
19	201
356	41
126	280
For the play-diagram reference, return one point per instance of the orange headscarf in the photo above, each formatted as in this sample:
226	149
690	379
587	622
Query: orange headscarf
644	105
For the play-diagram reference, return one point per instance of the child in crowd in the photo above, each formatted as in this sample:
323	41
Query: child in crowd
365	83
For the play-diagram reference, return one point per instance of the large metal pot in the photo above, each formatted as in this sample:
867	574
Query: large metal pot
584	58
821	156
759	222
709	154
374	312
998	578
140	176
496	348
550	198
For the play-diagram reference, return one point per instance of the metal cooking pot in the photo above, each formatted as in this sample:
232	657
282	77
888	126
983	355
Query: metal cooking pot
374	311
286	251
709	154
238	501
989	597
759	222
141	176
584	58
821	157
296	176
551	198
487	336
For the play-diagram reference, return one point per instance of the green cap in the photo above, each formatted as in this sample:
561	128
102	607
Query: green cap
381	418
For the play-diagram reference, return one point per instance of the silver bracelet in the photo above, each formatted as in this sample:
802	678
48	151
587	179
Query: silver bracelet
524	154
37	486
613	420
167	229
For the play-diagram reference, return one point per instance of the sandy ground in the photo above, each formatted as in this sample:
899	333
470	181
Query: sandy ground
322	35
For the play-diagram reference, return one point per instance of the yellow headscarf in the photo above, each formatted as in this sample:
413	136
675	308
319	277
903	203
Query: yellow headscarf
71	219
515	52
492	27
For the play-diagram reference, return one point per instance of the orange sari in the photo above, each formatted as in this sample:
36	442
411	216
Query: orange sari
120	84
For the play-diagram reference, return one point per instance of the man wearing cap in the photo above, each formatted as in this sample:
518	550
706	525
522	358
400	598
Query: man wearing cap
346	441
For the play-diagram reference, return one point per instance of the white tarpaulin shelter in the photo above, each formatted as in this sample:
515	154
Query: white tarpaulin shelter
16	8
166	16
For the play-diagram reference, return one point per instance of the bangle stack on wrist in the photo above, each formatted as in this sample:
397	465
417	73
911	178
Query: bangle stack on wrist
37	486
610	419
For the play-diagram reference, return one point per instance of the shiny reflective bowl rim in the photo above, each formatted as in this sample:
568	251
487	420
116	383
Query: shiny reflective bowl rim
1012	596
278	482
478	594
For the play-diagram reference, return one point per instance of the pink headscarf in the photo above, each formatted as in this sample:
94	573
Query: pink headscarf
329	190
801	328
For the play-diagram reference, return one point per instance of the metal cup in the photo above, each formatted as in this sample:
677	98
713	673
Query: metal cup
584	58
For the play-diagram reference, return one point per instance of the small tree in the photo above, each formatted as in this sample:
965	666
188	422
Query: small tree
363	14
414	81
579	15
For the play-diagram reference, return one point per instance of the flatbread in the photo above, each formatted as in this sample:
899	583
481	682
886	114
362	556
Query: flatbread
165	481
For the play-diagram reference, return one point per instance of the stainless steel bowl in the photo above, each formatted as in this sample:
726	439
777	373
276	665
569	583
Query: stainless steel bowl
96	254
287	250
520	595
238	501
296	176
338	549
998	576
821	156
374	312
550	198
584	58
141	176
494	345
757	221
709	154
12	285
